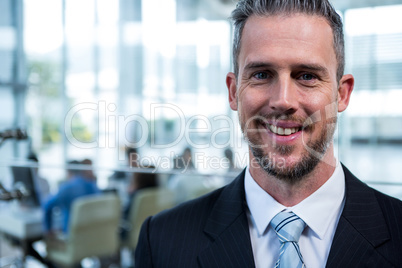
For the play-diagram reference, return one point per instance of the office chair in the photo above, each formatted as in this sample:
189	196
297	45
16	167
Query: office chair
93	231
146	202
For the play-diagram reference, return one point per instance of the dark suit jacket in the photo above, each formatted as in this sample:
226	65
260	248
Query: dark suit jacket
213	231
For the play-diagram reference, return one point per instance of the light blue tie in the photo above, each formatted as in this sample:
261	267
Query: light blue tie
288	226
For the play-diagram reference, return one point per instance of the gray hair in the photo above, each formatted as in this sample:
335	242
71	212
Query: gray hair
322	8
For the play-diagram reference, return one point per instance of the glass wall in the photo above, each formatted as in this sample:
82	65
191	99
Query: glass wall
89	78
13	85
372	126
104	75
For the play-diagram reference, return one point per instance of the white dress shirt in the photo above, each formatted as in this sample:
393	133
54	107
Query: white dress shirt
320	211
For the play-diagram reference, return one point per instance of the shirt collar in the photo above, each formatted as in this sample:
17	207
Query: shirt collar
318	210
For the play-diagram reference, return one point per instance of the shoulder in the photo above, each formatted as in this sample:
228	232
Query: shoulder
66	187
361	192
375	214
391	207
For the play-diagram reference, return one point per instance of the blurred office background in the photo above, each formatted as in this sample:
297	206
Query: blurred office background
87	79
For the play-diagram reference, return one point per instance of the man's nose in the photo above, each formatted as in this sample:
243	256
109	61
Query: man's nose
283	96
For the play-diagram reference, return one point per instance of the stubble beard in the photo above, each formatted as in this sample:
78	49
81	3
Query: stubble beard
295	173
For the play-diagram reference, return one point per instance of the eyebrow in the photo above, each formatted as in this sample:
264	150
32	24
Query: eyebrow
311	67
257	65
304	66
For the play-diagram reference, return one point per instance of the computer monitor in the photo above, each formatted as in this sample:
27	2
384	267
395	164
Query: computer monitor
24	176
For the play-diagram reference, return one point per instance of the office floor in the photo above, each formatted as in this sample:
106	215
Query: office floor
11	256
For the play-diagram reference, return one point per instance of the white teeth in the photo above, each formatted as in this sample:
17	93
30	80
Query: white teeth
282	131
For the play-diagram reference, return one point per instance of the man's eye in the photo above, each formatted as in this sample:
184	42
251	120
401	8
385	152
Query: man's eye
261	75
307	77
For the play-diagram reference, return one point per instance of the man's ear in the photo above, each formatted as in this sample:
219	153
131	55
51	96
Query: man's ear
345	89
232	88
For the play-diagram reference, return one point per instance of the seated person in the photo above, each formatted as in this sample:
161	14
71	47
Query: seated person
88	172
77	185
119	179
139	181
42	184
185	161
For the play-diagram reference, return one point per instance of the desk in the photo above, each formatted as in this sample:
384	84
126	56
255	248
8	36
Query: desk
23	224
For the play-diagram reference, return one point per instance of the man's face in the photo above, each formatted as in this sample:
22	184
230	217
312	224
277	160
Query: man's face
286	92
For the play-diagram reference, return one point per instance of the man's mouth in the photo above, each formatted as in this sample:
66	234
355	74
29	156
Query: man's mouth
283	131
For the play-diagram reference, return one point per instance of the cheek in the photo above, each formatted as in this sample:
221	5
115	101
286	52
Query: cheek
322	111
324	102
251	101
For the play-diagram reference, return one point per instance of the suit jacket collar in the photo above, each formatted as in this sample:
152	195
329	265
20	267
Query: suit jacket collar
360	230
228	229
361	227
228	208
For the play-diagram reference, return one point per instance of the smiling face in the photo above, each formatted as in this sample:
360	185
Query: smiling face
286	93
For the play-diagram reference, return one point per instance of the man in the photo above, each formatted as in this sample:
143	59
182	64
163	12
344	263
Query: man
43	188
77	185
295	205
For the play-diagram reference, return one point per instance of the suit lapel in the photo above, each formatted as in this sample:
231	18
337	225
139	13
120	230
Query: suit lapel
361	228
227	227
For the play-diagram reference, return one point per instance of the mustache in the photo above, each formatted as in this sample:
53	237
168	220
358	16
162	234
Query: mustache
275	117
306	123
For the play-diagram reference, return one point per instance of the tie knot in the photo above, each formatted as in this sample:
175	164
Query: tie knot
288	226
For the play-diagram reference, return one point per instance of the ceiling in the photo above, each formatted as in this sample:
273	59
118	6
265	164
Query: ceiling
347	4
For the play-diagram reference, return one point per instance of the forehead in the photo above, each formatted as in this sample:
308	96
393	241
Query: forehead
296	37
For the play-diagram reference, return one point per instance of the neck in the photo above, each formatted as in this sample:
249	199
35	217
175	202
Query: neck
290	194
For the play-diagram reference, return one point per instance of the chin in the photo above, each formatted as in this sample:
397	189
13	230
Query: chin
283	166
